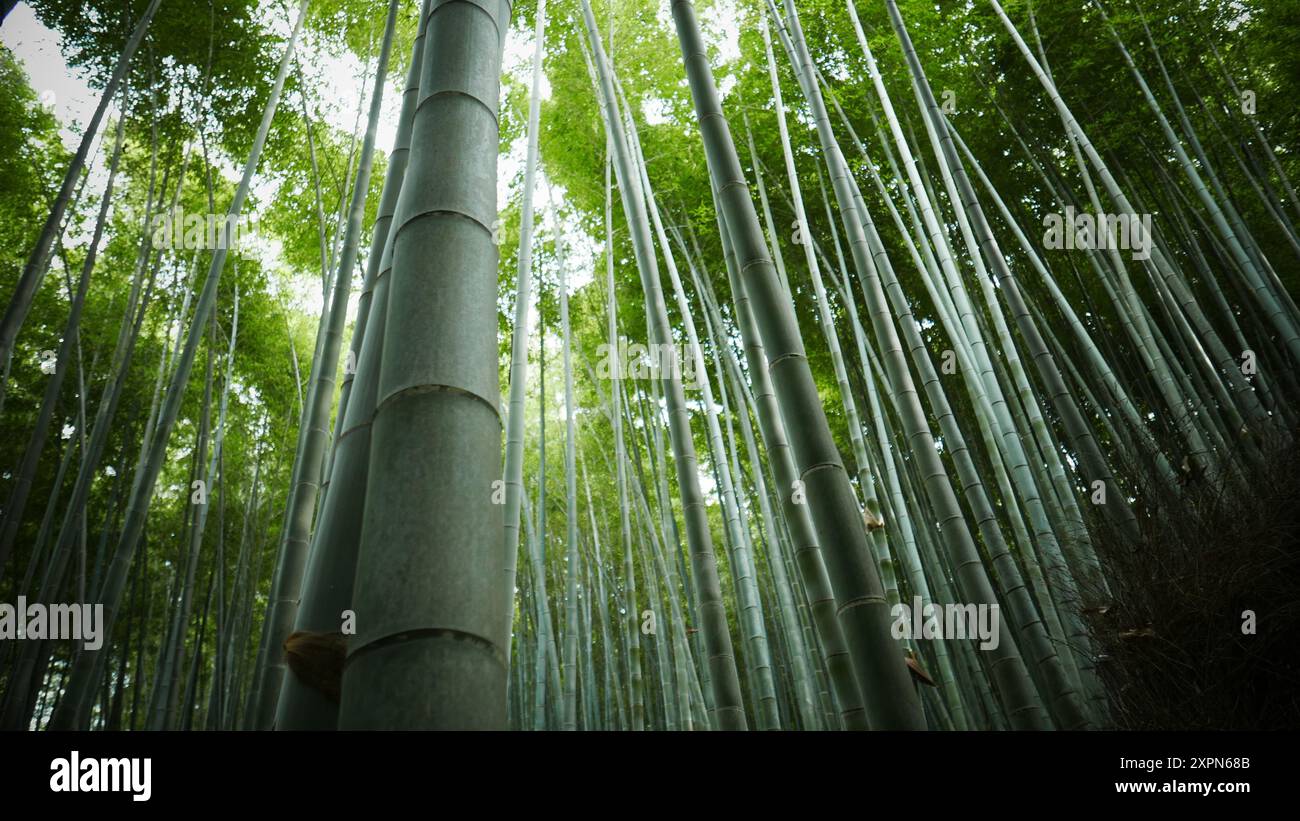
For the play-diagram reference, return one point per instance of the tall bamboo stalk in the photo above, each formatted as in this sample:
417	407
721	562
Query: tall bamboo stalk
891	701
38	261
427	652
86	670
725	682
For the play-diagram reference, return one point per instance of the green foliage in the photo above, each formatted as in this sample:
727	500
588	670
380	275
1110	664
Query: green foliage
198	85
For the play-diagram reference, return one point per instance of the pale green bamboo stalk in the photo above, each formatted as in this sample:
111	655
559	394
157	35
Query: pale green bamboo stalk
1014	684
866	482
804	545
86	670
1159	263
325	574
725	682
515	418
891	700
1094	356
1042	501
569	674
1281	320
758	651
422	571
789	615
967	334
902	528
610	689
38	261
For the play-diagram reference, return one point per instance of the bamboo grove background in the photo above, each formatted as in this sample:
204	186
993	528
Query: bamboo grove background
891	387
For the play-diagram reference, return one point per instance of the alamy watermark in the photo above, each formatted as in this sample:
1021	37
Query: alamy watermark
1098	232
177	229
53	622
77	774
632	360
947	621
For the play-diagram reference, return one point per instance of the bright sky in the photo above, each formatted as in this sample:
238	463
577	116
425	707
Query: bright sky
37	48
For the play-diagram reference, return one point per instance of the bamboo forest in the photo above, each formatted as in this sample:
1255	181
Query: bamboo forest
632	365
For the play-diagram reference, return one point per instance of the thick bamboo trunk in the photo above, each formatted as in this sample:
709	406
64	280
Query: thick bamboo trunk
427	653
